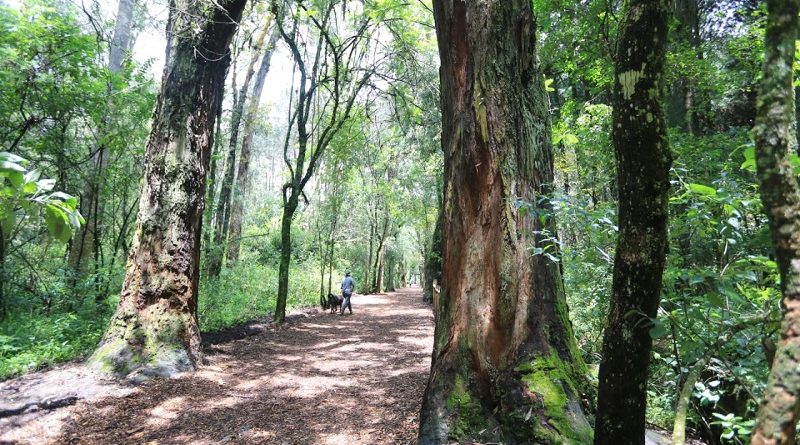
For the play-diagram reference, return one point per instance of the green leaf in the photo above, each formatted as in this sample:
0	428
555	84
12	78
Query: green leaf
16	178
11	167
46	185
749	163
547	85
716	299
8	222
10	157
701	189
56	222
658	330
32	176
29	188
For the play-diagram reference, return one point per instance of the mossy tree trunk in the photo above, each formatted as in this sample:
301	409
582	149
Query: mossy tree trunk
2	275
154	330
775	141
643	163
505	363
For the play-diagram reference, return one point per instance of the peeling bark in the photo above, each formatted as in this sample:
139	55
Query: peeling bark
154	329
776	139
505	364
643	163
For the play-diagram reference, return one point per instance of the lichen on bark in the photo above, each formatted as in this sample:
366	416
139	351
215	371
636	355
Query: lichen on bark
775	134
154	330
643	164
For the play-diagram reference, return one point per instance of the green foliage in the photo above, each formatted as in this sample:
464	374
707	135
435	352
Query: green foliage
60	107
734	428
34	341
23	194
40	338
248	291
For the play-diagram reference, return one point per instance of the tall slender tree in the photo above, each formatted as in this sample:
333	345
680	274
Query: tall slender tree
223	216
643	163
505	362
331	73
84	247
154	329
775	143
249	130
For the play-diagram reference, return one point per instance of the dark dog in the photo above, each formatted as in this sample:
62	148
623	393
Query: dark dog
335	301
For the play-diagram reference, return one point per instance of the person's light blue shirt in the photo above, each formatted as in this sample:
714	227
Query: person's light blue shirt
348	284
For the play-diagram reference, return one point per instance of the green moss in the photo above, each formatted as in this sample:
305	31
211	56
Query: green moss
469	418
552	380
479	108
116	356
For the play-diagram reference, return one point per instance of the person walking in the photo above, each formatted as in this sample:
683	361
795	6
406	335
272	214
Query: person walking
348	285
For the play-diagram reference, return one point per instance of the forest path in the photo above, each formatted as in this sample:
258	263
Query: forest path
319	379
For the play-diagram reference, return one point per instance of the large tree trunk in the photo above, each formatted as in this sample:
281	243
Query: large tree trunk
379	270
331	250
775	142
154	329
243	174
506	367
85	242
643	163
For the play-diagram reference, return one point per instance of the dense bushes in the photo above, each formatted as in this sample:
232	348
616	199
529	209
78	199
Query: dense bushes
40	338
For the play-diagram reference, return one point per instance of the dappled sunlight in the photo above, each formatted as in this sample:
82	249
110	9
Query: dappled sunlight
166	411
421	342
323	379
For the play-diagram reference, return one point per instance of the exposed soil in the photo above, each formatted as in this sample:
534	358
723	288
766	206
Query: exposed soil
319	379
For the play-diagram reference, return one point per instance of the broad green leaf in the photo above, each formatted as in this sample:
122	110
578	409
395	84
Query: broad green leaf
56	221
16	178
749	163
10	157
46	185
8	222
701	189
29	188
32	176
716	299
11	167
658	330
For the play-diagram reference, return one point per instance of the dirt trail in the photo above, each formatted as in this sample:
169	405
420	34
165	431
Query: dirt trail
319	379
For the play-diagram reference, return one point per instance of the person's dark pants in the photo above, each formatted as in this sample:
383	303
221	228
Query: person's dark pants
346	303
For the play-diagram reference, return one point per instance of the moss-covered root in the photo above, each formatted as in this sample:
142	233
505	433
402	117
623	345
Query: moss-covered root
536	403
155	342
468	421
552	392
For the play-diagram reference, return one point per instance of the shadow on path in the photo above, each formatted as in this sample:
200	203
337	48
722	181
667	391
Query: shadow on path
319	379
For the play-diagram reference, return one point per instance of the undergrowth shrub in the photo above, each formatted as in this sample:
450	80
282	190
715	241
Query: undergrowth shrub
39	338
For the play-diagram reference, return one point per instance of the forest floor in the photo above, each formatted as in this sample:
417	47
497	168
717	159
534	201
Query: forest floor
319	379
